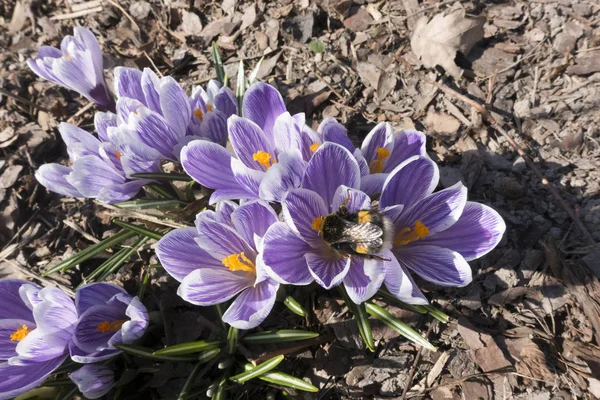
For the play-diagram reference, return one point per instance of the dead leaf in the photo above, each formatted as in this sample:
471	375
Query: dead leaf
10	176
19	17
249	17
267	66
190	24
532	362
437	41
440	123
369	74
385	85
360	20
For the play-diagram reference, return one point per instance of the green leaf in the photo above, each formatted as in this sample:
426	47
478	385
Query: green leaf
258	370
402	328
162	176
144	285
144	204
232	339
123	256
159	191
254	73
90	252
412	307
218	64
187	348
362	320
437	313
241	85
144	352
294	306
316	46
220	395
283	335
189	382
139	229
41	393
279	378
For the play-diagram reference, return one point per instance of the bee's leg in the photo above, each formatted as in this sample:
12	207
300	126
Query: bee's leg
344	206
376	257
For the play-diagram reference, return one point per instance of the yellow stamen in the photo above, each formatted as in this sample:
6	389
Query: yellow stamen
317	224
118	154
407	235
377	165
114	326
20	334
209	107
68	58
314	147
199	114
239	262
263	158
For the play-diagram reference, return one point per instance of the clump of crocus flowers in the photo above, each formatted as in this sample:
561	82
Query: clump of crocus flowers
274	181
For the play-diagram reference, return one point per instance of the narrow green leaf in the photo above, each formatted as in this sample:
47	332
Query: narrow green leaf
218	64
91	252
232	339
139	229
258	370
279	378
159	191
241	85
189	382
42	393
144	352
294	306
412	307
254	73
402	328
162	176
143	285
283	335
362	320
220	394
208	355
144	204
127	252
187	348
437	313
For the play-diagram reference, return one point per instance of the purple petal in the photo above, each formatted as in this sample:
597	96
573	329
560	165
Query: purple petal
226	102
438	265
120	191
399	282
283	254
28	292
155	131
407	144
125	138
410	182
207	287
478	230
35	348
214	127
128	83
356	199
89	42
364	278
262	105
54	177
88	336
9	326
79	142
253	219
319	178
287	134
84	357
223	211
335	132
249	179
134	329
77	72
94	380
17	380
327	268
437	212
93	294
283	176
300	209
179	253
252	306
126	106
247	139
55	316
102	121
372	184
220	240
380	137
175	105
362	163
90	174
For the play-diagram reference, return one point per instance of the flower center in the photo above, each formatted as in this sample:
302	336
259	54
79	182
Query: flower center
239	262
118	154
106	326
314	147
68	57
263	158
317	224
407	235
20	334
199	114
209	107
376	166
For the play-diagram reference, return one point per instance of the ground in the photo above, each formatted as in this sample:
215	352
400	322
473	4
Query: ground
528	327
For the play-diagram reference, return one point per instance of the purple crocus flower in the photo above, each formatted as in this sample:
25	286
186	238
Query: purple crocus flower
98	170
156	117
270	150
107	316
221	258
93	380
36	326
77	65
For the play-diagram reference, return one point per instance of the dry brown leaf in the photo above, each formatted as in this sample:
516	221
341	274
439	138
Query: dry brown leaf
437	41
441	123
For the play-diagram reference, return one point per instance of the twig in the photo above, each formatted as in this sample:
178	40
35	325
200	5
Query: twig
487	115
83	109
153	65
76	14
519	61
23	100
339	96
142	216
134	25
86	6
491	84
413	369
83	233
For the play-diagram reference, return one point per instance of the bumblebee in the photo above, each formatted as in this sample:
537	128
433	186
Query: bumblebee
363	234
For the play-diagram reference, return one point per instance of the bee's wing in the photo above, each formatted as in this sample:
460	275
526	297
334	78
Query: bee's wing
360	233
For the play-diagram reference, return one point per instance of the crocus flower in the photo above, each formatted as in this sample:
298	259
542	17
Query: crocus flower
107	316
93	380
295	252
156	117
98	170
36	326
221	258
270	150
77	65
